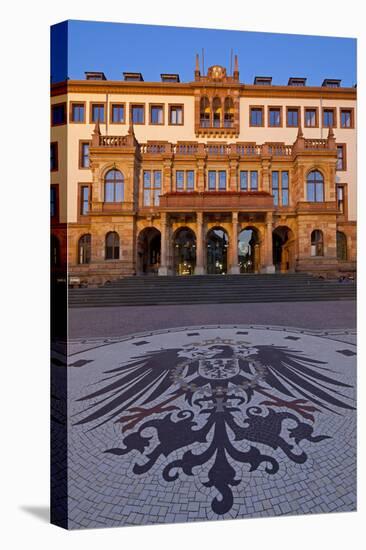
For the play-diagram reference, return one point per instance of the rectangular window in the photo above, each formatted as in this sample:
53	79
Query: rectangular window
156	114
190	180
84	154
54	156
311	118
243	180
152	187
84	200
179	180
280	188
117	113
328	118
77	112
275	116
53	206
157	187
58	114
222	180
254	180
275	188
212	180
293	117
138	114
256	116
184	180
346	118
97	112
341	157
340	198
147	188
284	189
176	114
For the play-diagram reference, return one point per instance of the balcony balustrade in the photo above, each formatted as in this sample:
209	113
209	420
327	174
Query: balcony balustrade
316	144
223	149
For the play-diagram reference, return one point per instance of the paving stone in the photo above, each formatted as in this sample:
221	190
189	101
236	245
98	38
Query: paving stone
105	491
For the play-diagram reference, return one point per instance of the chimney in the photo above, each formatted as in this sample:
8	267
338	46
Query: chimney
197	73
236	68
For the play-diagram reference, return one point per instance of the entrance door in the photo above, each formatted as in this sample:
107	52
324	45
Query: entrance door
248	250
217	246
283	249
149	244
184	251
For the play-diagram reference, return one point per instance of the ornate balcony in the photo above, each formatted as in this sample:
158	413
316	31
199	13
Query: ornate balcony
218	150
212	200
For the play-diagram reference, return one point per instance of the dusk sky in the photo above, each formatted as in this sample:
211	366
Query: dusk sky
117	47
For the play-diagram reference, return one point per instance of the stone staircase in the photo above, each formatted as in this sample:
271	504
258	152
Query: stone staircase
212	289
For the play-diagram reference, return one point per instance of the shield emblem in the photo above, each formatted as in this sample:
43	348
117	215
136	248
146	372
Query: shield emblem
218	369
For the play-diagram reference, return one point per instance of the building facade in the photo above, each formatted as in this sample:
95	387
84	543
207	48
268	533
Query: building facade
211	176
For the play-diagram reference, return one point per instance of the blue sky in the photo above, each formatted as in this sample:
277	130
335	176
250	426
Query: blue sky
117	47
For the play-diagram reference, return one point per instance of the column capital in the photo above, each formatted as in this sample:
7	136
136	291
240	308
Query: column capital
235	217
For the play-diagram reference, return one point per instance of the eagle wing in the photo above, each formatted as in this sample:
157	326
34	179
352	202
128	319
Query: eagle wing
292	373
141	381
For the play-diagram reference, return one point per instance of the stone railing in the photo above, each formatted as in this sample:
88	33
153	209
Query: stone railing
215	149
247	149
157	148
316	144
112	141
185	148
219	149
280	150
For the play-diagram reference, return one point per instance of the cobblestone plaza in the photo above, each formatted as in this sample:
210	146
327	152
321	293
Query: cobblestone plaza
211	422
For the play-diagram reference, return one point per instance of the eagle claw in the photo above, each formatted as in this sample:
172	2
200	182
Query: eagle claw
139	413
297	405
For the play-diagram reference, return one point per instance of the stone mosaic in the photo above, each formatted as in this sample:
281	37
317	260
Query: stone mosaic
211	422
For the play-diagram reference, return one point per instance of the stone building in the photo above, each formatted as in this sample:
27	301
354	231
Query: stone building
211	176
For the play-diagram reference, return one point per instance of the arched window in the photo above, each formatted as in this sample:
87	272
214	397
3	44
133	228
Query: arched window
112	246
317	243
217	112
205	112
85	249
113	186
315	187
55	250
228	113
341	246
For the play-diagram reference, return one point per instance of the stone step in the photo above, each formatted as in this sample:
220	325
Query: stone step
215	289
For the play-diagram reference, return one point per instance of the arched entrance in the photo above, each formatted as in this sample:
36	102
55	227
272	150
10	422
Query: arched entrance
184	244
283	249
149	244
217	246
248	250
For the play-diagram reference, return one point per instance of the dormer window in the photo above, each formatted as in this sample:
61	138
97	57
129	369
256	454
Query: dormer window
263	80
133	77
93	75
296	81
165	77
331	83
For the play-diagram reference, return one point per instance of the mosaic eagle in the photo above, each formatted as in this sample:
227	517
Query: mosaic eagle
151	382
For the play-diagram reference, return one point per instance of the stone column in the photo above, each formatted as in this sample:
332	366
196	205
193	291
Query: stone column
200	269
201	167
233	173
163	269
234	267
268	266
